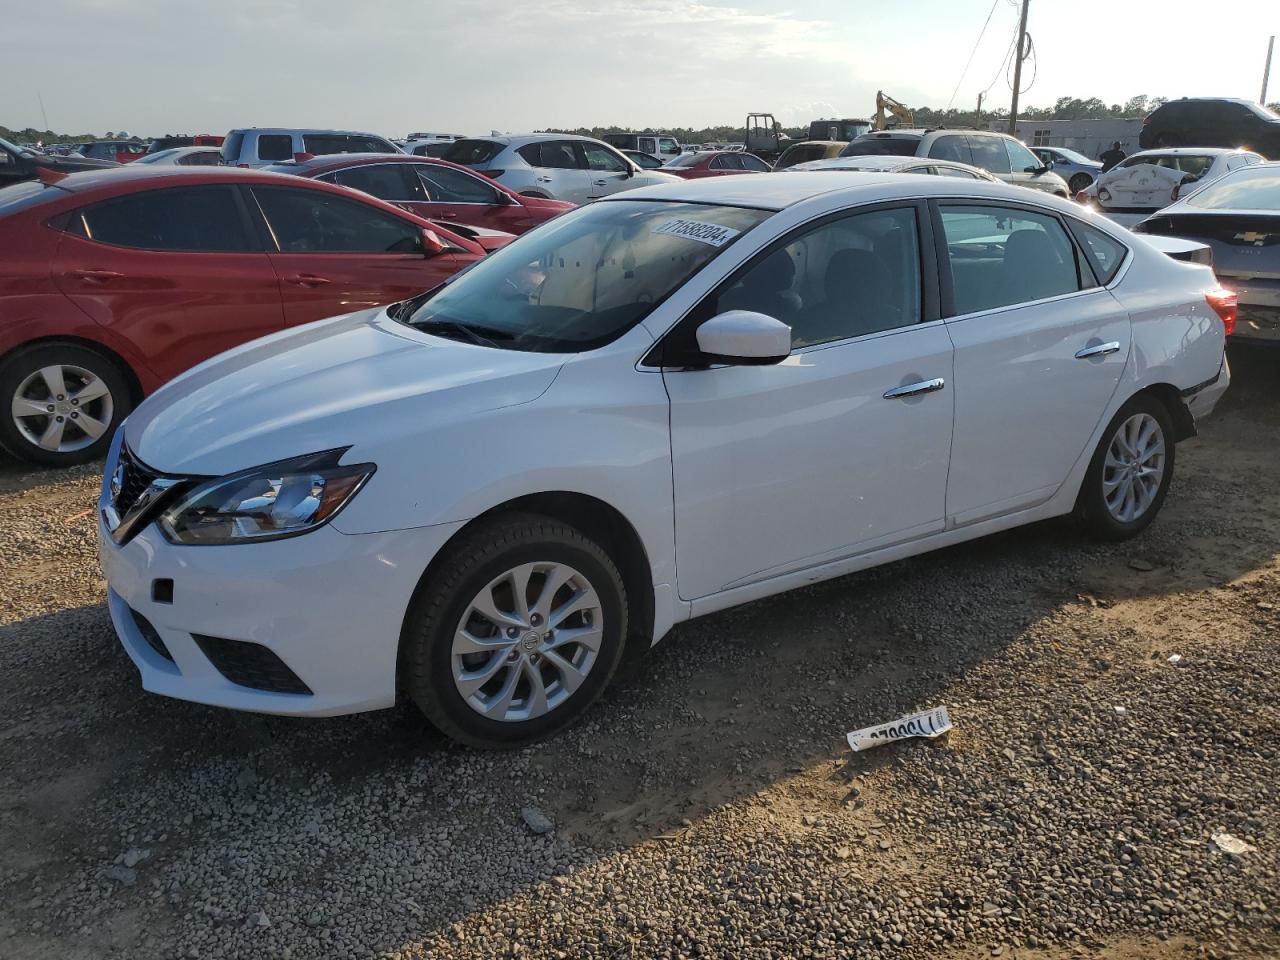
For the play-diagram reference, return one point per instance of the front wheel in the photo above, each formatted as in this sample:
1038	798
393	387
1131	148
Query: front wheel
1130	472
1079	182
62	404
517	633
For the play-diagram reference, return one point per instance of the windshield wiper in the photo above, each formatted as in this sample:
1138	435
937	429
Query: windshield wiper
483	336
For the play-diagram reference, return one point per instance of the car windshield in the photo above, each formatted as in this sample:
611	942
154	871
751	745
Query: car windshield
158	157
582	279
1255	188
684	160
1194	164
1071	155
882	147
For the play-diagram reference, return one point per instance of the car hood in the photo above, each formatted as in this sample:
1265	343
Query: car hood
63	164
358	379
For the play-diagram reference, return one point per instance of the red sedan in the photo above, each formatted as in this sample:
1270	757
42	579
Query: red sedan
714	163
434	189
114	282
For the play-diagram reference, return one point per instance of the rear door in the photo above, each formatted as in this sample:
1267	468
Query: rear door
454	195
1026	168
335	254
393	182
560	168
1039	350
178	272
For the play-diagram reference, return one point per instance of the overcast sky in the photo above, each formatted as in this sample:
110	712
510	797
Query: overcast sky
391	66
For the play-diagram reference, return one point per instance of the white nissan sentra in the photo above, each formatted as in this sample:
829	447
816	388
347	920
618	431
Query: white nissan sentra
654	407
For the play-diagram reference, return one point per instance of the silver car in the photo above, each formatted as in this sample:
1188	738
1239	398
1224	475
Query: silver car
556	166
259	146
1075	168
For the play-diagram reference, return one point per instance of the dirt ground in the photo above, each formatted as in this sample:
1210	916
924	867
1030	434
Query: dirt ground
709	806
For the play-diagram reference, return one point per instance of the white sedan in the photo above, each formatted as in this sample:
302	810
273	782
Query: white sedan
1145	182
655	407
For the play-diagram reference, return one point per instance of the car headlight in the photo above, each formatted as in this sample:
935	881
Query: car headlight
269	502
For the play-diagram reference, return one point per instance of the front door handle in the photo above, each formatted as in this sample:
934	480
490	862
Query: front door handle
601	183
915	389
1099	350
544	179
96	276
308	280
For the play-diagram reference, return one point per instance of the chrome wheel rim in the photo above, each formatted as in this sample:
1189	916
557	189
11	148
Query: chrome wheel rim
62	408
1134	468
527	641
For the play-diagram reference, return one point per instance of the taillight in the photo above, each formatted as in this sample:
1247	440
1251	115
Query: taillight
1226	305
493	174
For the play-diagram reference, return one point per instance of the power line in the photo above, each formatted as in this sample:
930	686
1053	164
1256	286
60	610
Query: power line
981	34
1001	70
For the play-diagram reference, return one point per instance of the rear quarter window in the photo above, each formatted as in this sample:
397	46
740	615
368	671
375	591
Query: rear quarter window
1102	253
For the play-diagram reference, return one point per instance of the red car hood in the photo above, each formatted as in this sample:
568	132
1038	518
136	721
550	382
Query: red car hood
489	240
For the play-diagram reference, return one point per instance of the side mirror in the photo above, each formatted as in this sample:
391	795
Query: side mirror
744	338
1046	165
432	245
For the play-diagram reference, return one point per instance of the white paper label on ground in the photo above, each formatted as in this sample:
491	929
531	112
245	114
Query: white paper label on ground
711	233
1233	845
926	723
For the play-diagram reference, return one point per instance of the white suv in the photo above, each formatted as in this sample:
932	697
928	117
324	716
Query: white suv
997	153
260	146
555	166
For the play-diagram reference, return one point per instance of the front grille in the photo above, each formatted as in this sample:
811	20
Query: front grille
133	477
150	634
250	665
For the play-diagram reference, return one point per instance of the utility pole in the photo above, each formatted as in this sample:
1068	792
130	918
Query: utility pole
1266	71
1019	55
978	119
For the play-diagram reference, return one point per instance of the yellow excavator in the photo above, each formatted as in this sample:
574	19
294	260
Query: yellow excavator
902	116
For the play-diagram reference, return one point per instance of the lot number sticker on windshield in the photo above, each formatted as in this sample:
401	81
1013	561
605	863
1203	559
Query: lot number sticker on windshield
711	233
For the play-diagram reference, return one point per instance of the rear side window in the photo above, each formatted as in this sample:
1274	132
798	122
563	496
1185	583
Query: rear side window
324	144
1103	253
231	147
951	148
882	147
392	182
553	154
753	163
1001	256
312	221
684	160
989	154
275	147
452	186
472	151
191	219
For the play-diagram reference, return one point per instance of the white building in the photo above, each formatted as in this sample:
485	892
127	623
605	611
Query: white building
1089	137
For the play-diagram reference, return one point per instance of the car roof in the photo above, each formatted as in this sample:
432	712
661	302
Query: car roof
885	163
306	130
130	174
780	192
1187	151
327	161
519	139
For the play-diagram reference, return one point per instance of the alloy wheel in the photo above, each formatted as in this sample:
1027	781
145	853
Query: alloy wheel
527	641
62	408
1134	467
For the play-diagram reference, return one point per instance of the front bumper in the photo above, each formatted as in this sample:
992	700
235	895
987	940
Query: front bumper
327	604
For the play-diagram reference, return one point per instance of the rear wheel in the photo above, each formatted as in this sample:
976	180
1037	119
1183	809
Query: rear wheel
1129	475
62	404
518	632
1079	182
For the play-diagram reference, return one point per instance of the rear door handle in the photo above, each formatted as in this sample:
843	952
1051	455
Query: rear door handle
308	280
1099	350
601	183
96	276
915	389
544	179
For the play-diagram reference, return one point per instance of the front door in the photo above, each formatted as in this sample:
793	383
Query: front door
1039	351
782	467
177	272
609	172
337	255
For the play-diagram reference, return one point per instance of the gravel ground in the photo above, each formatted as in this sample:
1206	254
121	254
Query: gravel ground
709	806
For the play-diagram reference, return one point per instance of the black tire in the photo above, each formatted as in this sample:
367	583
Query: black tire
483	554
1091	507
1079	182
16	372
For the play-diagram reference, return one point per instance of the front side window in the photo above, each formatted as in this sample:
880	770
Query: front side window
684	160
275	147
668	146
314	221
444	185
1001	256
392	182
846	278
989	154
1021	159
602	159
191	219
585	278
323	144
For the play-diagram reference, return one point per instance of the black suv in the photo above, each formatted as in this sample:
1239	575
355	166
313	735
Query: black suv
1212	122
18	163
